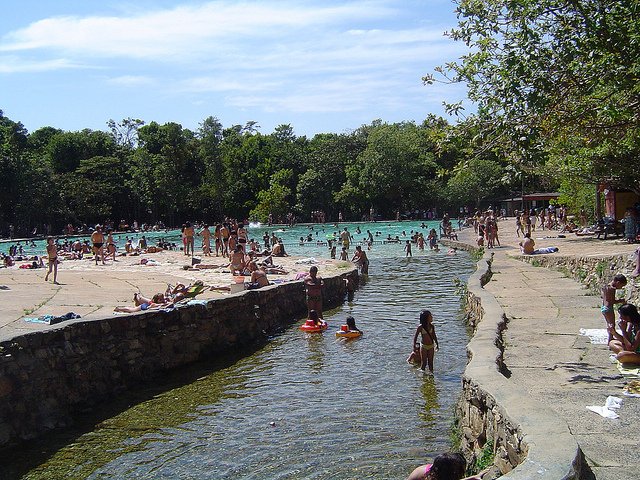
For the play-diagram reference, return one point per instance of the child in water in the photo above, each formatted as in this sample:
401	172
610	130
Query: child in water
446	466
351	325
407	249
313	315
428	341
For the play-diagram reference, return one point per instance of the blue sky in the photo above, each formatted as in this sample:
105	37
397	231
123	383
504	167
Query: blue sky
323	66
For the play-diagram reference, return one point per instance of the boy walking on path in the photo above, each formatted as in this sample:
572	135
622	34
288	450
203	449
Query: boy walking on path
609	301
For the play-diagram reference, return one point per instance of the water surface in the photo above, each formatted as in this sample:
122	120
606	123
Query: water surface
305	406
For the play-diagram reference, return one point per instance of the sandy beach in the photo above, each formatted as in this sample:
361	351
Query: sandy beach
93	291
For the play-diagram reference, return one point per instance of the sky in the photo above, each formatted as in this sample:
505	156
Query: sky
320	66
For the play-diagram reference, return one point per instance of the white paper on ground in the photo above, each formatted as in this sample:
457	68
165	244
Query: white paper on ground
607	410
604	411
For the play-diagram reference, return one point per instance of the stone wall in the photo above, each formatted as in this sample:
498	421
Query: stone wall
592	271
498	418
46	376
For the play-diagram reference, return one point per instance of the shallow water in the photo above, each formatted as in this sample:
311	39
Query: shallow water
290	236
305	406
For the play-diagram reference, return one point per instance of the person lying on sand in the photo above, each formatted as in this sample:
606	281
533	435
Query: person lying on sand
142	304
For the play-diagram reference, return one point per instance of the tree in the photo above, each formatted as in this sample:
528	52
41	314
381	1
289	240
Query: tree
564	72
475	182
125	133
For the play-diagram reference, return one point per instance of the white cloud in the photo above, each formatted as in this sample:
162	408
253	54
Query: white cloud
132	80
272	56
15	64
183	30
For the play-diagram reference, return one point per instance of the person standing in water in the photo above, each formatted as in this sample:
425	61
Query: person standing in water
428	340
407	248
314	284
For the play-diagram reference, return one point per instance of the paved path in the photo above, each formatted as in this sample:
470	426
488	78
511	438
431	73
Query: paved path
558	367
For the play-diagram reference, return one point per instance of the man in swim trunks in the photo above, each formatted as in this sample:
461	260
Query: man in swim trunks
189	233
527	245
609	300
346	238
97	239
314	285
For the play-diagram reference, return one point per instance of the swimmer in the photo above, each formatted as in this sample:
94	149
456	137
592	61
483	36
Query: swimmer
429	341
351	325
446	466
313	316
414	357
407	249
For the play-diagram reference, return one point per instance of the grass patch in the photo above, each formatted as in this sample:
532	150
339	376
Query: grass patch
455	435
581	273
477	254
601	267
536	263
486	457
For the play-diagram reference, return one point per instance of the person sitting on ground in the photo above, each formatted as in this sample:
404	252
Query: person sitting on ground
446	466
627	346
258	277
527	244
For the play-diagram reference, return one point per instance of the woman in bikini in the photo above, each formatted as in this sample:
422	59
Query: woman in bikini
428	341
52	254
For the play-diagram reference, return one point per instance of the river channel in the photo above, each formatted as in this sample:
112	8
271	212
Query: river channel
304	406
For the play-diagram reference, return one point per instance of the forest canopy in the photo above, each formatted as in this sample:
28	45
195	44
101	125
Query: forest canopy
152	172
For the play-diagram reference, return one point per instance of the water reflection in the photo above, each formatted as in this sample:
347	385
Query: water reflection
429	392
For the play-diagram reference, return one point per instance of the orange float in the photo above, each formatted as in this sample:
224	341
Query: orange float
311	327
344	332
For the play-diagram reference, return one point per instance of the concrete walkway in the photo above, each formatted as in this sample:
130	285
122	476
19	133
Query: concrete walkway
561	369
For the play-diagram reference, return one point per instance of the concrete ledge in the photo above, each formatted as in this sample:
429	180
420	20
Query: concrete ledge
493	408
593	271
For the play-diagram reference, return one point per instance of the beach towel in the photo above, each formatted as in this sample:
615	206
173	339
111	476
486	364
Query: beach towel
598	336
631	371
51	319
195	289
307	261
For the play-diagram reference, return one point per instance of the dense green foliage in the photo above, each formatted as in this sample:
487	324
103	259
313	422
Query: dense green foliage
152	172
556	83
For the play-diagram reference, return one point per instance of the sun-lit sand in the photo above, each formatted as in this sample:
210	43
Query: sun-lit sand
94	291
